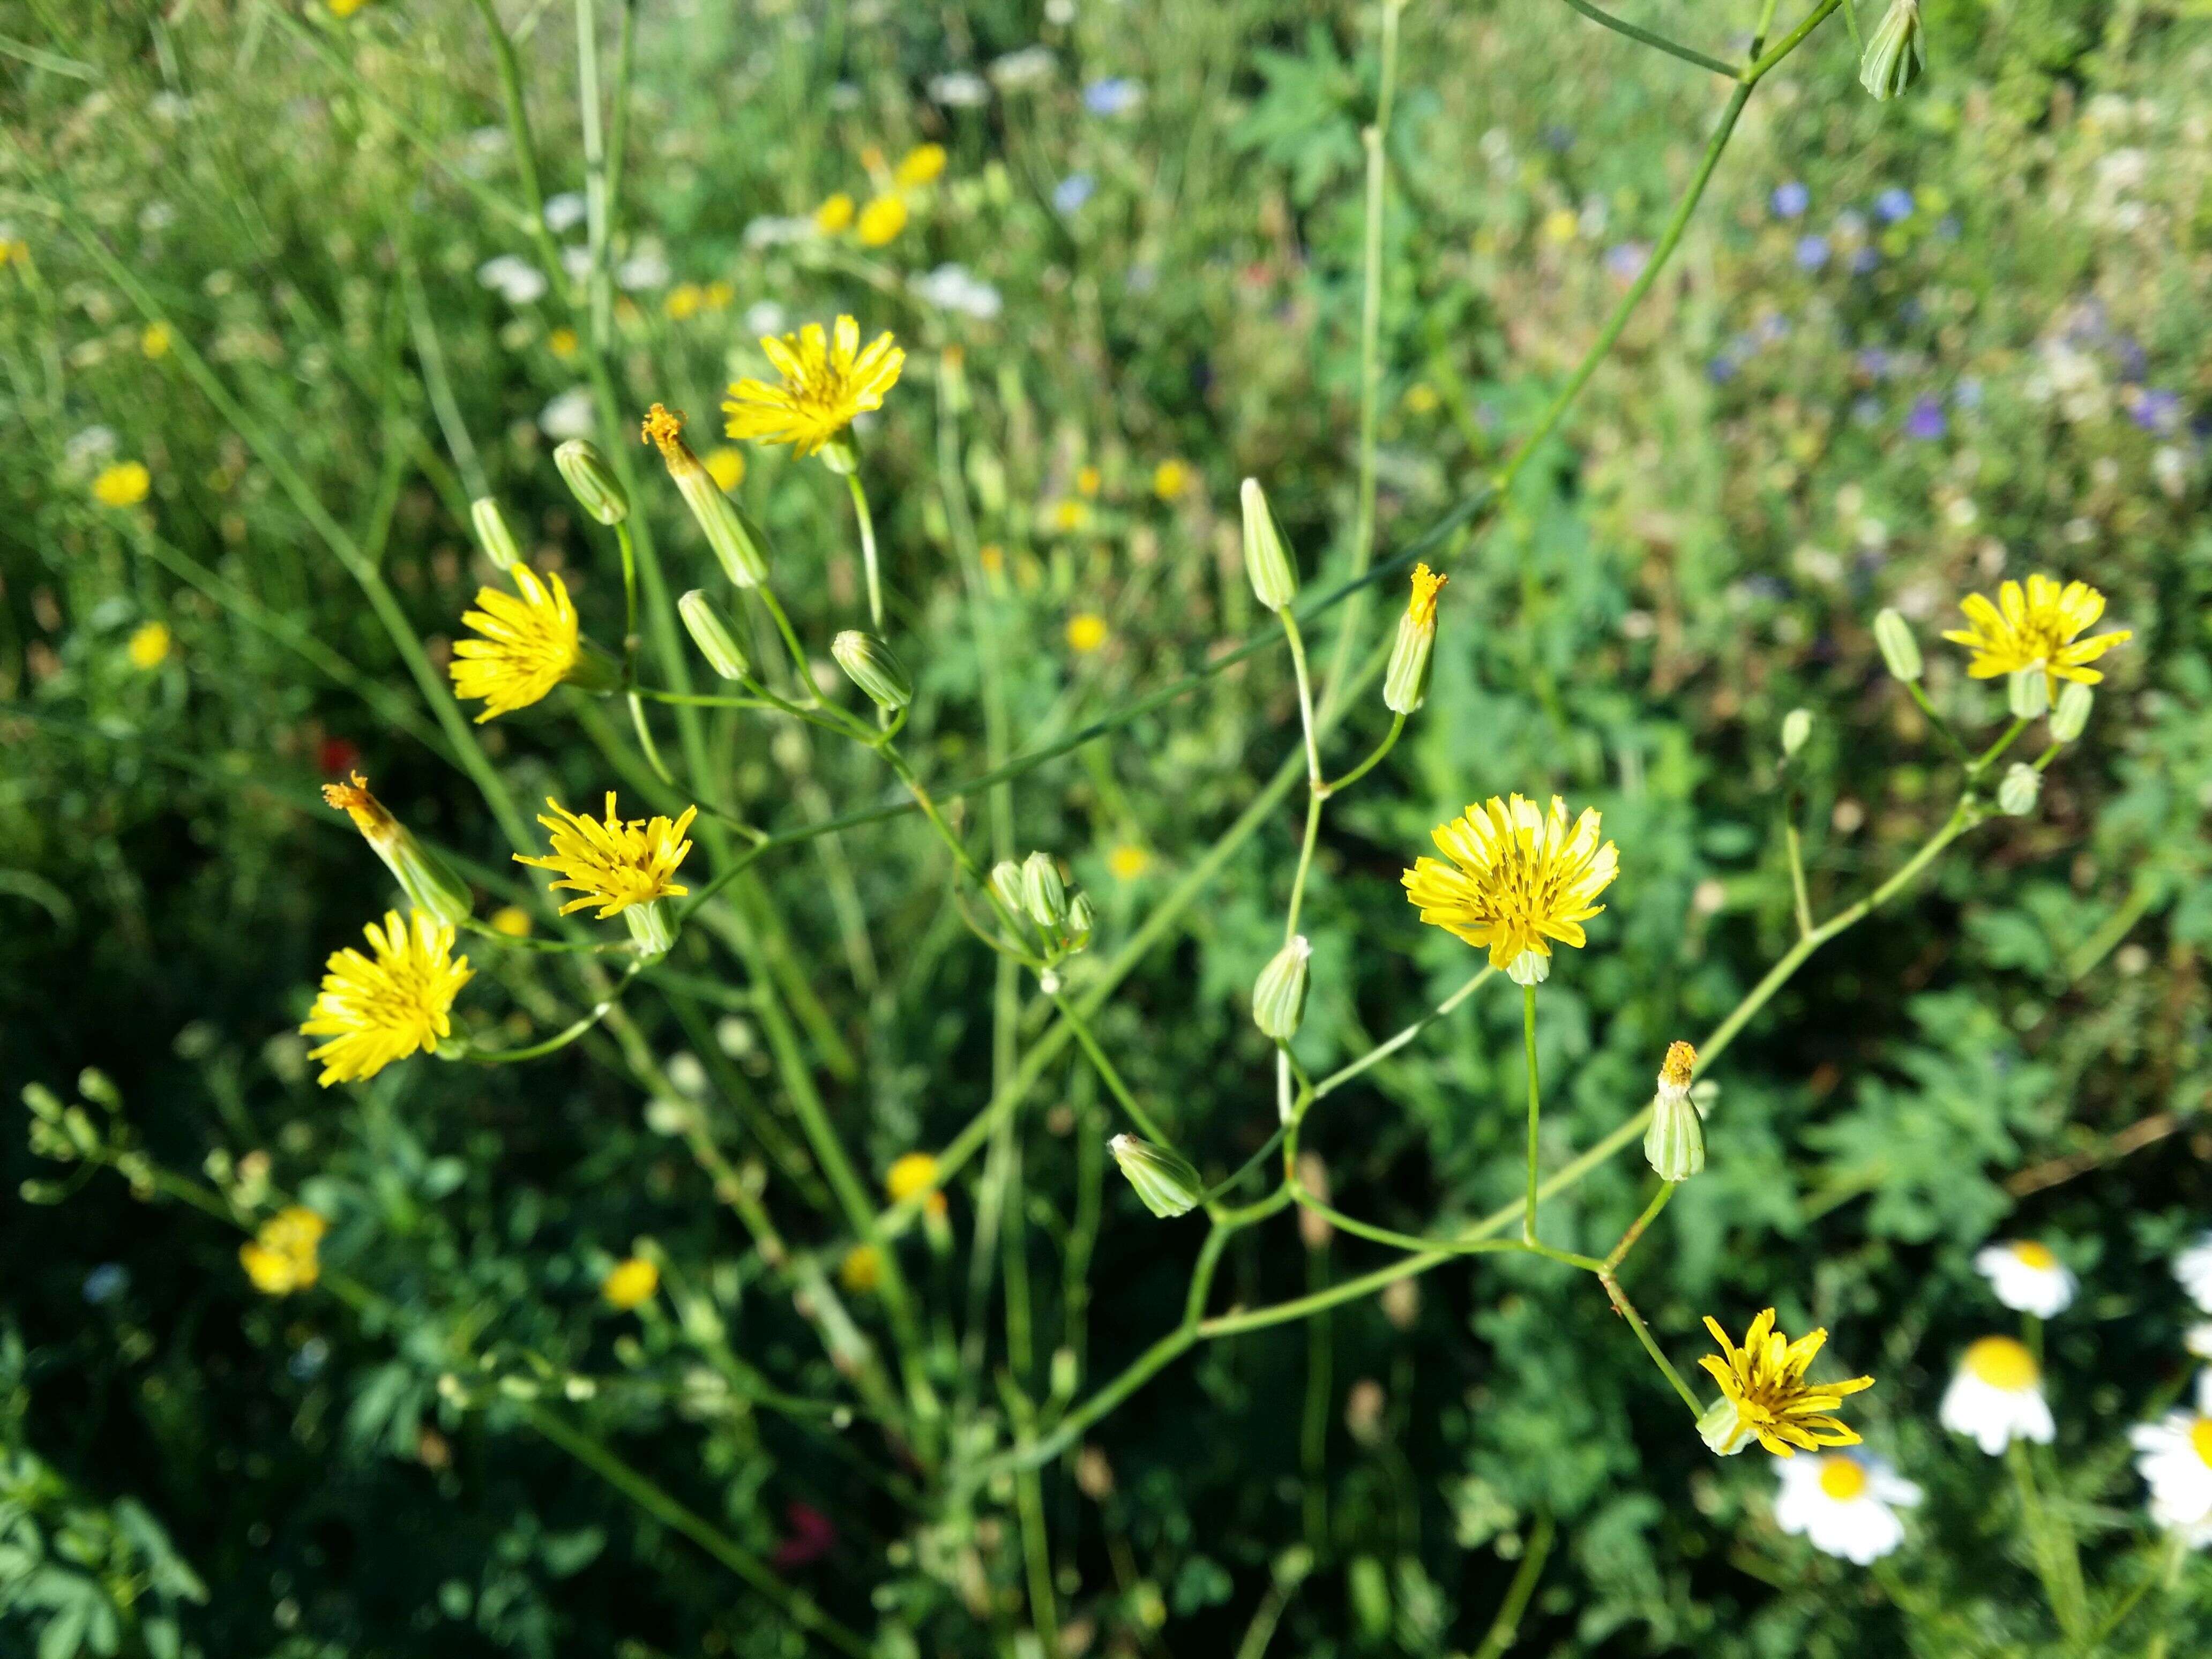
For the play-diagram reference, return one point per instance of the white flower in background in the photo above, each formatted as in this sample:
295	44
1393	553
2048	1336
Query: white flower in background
576	260
960	90
516	280
2193	1267
565	211
2174	1457
569	416
763	317
1997	1396
1031	66
645	269
2025	1275
1845	1503
2199	1341
775	230
954	288
88	448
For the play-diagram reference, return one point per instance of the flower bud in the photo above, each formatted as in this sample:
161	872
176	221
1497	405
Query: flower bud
591	481
1899	649
1167	1183
1893	51
492	533
2017	793
1081	919
1007	883
1796	727
1531	968
869	664
715	641
1723	1428
1278	995
1405	682
1265	560
839	455
2028	691
2069	716
429	883
739	544
652	928
1674	1145
1044	896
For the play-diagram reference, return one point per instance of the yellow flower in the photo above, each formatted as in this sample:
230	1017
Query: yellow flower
914	1173
617	863
377	1012
1087	481
512	920
882	220
1170	480
343	8
149	646
1069	515
827	379
2036	628
1421	398
727	467
1560	224
683	301
1087	631
862	1269
281	1258
562	343
124	484
1128	861
1421	604
992	558
719	296
1517	879
834	215
1764	1395
155	340
529	646
919	166
630	1284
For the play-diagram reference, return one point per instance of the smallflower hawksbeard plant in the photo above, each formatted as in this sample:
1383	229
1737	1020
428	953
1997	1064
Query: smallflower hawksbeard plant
1765	1396
625	866
282	1256
529	643
1518	879
2036	627
378	1008
827	379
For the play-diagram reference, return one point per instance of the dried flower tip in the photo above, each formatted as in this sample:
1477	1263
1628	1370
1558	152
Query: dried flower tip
1405	682
429	883
1675	1070
1674	1145
739	544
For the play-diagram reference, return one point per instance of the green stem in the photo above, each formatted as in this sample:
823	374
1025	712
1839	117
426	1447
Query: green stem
1505	1629
1374	760
1112	1078
560	1039
1626	1309
1991	755
1796	854
1672	48
1943	726
1305	697
867	524
1384	1050
1535	1108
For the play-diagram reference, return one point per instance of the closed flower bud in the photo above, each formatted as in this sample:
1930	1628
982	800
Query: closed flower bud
1167	1183
1266	559
652	928
2028	691
1674	1145
869	664
715	641
1796	727
739	544
1044	896
1278	995
1893	51
492	533
1405	682
1899	649
2069	716
1081	919
2017	793
1007	883
429	883
591	481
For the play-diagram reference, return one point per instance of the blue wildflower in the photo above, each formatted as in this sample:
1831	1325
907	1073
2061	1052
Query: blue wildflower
1812	253
1925	420
1892	204
1073	191
1117	97
1790	201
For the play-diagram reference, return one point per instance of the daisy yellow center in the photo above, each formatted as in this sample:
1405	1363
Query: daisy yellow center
2029	1254
1843	1478
2003	1363
1517	878
827	378
2035	626
613	862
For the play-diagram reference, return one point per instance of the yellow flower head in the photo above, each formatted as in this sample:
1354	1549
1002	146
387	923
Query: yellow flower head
1517	878
683	301
919	166
1170	480
376	1012
1087	631
281	1258
562	343
370	815
834	215
617	863
1764	1395
529	644
882	220
155	340
630	1284
726	466
914	1173
2035	627
149	646
827	380
1128	861
124	484
862	1269
512	920
1087	480
1422	606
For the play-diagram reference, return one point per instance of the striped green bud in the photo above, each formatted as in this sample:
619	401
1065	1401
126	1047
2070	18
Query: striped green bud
1081	919
652	928
2027	692
1007	883
1796	727
2018	791
712	637
1278	995
492	533
738	543
1044	895
1266	562
1894	53
2069	716
869	664
1167	1183
1405	682
591	481
1899	649
1674	1145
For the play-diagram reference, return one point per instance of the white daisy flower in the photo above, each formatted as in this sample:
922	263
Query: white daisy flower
1997	1396
576	260
2193	1267
2025	1275
646	268
571	415
2175	1461
1845	1503
1029	67
517	280
2199	1341
954	288
960	90
564	212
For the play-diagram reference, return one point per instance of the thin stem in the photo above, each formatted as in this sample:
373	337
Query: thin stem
1112	1078
1797	875
598	287
1375	759
867	524
1535	1108
1636	1228
1384	1050
1990	755
1505	1629
1943	726
560	1039
1672	48
1626	1309
1305	697
1305	867
1757	69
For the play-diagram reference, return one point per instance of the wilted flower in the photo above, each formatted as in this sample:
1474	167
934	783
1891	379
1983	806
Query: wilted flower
1996	1397
1518	880
380	1008
429	881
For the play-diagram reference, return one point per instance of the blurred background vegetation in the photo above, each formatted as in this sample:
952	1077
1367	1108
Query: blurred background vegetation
1907	349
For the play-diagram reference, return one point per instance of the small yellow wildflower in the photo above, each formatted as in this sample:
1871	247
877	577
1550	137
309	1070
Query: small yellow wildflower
862	1269
1764	1395
630	1284
124	484
1087	631
1069	515
1128	861
617	863
377	1012
827	379
562	343
344	9
1087	481
992	558
720	295
882	220
529	646
2036	628
1170	480
1421	603
149	646
683	301
834	215
1421	398
512	920
919	166
1517	879
1560	224
281	1257
155	339
914	1173
726	466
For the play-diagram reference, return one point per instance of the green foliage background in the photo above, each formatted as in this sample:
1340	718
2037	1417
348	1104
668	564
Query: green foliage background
2019	1047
